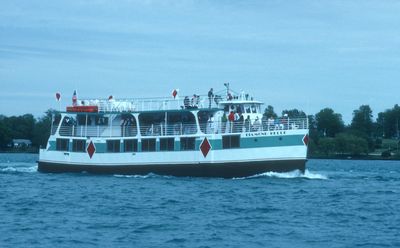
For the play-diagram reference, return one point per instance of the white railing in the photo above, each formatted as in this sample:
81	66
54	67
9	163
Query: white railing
148	104
178	129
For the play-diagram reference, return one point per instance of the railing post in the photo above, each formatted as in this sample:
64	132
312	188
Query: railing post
111	120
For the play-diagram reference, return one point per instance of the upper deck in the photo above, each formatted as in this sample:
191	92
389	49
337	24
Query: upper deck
131	105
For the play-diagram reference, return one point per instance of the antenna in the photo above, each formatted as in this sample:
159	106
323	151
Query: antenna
227	88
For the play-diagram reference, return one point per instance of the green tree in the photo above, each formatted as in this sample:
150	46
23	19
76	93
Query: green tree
294	113
389	122
269	112
313	132
41	131
351	144
327	145
5	134
328	122
362	120
21	126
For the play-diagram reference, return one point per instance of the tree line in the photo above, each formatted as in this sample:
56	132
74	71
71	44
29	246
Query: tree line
329	136
27	127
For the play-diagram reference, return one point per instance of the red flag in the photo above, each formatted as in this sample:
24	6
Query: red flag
74	99
174	93
58	96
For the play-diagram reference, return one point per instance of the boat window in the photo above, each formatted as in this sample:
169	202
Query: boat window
78	145
152	124
167	144
83	118
128	125
239	108
206	120
101	121
130	145
188	143
148	145
66	126
62	144
56	121
248	111
113	145
182	122
253	109
230	141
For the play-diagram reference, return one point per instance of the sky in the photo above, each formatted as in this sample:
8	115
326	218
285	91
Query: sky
289	54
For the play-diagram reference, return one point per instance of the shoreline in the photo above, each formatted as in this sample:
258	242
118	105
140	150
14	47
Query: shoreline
360	157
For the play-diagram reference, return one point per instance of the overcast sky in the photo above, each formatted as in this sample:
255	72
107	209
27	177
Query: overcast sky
290	54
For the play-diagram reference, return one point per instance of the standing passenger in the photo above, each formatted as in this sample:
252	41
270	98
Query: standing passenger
223	123
231	118
186	102
247	124
240	122
210	97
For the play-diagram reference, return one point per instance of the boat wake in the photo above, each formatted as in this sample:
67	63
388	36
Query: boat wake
150	175
18	168
289	175
286	175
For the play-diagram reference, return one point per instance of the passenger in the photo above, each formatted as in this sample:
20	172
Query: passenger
186	102
264	123
223	123
240	122
247	124
256	125
210	97
277	124
197	101
231	118
285	120
194	101
229	97
271	122
210	126
236	123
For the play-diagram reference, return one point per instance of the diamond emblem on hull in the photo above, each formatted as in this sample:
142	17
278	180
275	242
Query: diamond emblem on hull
91	149
305	139
205	147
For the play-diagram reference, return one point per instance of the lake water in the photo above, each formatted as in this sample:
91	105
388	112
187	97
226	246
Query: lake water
337	203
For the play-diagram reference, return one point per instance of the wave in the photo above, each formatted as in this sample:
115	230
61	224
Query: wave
289	175
19	168
150	175
132	176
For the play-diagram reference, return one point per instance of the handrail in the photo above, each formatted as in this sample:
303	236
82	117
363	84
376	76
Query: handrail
179	129
150	104
163	103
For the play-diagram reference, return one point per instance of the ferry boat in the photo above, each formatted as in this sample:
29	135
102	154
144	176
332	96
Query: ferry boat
222	135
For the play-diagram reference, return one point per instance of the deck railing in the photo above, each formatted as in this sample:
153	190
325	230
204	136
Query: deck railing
179	129
151	104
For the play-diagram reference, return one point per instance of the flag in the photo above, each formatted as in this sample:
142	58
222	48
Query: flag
175	93
74	99
58	96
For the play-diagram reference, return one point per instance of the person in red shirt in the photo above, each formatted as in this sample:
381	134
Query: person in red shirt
231	118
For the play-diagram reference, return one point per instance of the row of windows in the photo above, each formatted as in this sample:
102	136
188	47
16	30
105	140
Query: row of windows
148	145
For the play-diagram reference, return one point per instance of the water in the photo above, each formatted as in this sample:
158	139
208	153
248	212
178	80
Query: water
334	204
